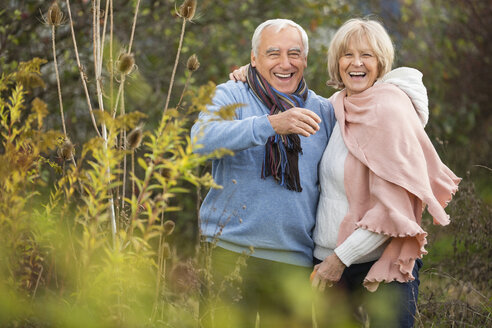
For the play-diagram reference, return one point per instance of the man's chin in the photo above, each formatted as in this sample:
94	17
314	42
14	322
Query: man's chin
287	90
289	87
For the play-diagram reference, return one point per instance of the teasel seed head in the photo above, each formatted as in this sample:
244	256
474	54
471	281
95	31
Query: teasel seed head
54	16
66	150
193	64
168	227
187	9
125	63
134	138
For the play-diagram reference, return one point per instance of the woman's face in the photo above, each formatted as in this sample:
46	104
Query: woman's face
358	67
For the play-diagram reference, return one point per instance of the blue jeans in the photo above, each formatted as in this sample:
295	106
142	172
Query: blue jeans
401	299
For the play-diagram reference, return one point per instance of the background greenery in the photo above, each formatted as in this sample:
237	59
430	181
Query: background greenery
449	41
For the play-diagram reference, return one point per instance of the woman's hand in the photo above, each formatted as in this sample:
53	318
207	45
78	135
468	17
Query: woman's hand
239	74
327	272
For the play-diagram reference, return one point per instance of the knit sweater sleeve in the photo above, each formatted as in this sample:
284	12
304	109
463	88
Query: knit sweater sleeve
249	128
361	242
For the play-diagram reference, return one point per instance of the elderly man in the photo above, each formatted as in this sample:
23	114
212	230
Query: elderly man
267	206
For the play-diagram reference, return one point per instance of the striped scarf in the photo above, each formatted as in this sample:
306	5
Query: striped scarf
281	151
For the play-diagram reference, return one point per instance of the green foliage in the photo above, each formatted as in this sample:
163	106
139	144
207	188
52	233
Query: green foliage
24	148
103	274
452	48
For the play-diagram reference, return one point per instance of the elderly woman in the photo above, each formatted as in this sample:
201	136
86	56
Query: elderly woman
377	173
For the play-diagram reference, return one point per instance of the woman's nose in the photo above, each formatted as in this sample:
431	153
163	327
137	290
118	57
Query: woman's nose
357	61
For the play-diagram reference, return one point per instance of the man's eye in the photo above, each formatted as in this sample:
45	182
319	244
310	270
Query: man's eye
367	55
294	55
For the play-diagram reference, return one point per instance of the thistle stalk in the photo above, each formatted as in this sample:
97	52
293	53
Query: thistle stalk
175	65
54	24
133	27
159	275
130	44
125	68
111	68
55	18
133	173
192	65
82	74
98	72
161	261
123	146
60	100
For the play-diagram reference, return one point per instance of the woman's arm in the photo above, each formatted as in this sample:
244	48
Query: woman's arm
360	243
239	74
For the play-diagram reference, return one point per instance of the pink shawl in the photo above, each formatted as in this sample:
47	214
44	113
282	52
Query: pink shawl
391	172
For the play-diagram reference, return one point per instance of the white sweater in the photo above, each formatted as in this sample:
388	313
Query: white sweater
362	245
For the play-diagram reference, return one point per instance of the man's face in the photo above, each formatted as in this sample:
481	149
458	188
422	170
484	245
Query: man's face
280	59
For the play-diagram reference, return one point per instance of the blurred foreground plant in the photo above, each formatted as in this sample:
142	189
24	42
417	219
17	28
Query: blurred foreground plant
70	255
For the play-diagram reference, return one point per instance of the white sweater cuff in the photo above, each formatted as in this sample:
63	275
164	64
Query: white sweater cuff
360	243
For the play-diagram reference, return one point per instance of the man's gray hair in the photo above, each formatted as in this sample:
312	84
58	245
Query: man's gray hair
279	24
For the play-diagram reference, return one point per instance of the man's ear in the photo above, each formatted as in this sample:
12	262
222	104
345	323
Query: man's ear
253	59
305	61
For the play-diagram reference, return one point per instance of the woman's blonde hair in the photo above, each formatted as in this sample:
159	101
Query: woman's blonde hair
358	29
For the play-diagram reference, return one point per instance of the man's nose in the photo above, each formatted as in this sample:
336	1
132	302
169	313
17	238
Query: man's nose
284	60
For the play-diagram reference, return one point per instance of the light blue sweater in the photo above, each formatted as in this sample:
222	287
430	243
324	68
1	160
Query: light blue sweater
250	211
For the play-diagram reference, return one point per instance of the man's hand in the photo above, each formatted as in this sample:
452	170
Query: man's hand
296	120
327	272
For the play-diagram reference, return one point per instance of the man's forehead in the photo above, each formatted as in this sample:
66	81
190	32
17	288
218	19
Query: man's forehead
290	39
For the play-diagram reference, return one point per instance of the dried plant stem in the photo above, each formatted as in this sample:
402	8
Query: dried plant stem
133	27
160	259
37	282
123	147
133	172
104	30
97	46
148	176
184	89
58	80
95	38
123	188
82	75
58	84
175	65
121	93
118	95
145	184
197	209
130	44
98	55
111	68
